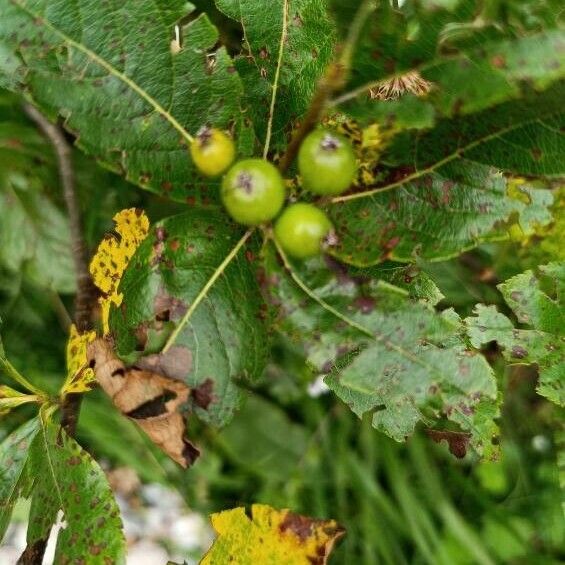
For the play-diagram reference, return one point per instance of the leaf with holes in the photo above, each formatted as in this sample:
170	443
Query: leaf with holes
434	216
301	34
111	74
537	300
384	352
68	479
191	289
271	536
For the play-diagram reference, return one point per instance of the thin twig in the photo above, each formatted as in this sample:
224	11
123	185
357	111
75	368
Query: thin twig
335	78
61	311
85	290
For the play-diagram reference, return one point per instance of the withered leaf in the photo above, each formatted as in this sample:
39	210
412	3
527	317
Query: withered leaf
150	399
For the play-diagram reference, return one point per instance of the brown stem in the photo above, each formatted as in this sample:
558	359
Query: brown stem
85	289
33	554
85	293
332	81
335	78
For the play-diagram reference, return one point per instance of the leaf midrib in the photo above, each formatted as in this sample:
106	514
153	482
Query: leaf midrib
108	67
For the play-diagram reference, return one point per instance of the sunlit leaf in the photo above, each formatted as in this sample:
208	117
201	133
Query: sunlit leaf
113	255
270	536
80	377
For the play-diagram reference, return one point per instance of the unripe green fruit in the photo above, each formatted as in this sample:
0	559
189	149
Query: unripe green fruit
212	151
326	162
253	192
301	230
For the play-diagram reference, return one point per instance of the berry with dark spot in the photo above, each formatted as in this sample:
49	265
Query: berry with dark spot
253	192
326	162
212	151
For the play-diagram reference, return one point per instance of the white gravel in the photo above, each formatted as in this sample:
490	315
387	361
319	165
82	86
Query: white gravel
158	527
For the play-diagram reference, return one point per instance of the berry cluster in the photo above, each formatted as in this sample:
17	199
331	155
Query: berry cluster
254	192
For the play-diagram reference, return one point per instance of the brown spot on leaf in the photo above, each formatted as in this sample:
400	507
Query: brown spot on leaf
519	352
175	363
300	525
458	442
203	394
167	307
498	61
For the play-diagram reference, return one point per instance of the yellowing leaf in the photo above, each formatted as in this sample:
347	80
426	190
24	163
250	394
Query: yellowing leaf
10	398
79	376
113	255
270	537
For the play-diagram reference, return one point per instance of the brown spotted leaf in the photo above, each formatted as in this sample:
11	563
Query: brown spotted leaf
109	71
113	255
151	400
68	479
191	289
271	536
80	377
537	300
384	352
434	216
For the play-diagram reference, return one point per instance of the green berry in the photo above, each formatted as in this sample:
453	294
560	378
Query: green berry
212	151
326	162
302	229
253	192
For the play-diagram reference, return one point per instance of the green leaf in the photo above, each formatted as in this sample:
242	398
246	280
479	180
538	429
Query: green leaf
254	440
383	352
68	479
537	301
179	270
307	49
496	72
522	137
465	78
434	216
111	74
13	456
34	232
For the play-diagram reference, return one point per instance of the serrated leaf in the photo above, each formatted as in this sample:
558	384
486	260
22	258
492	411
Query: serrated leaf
224	339
68	479
466	77
13	456
537	301
522	137
434	216
112	76
384	352
307	49
270	536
